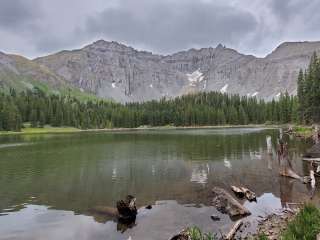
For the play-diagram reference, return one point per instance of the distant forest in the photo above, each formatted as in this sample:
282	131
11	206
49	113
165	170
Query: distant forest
201	109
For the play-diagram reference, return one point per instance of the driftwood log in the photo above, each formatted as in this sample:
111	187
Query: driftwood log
244	192
125	212
233	230
238	191
285	164
225	203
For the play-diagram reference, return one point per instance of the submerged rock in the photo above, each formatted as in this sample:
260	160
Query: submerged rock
215	217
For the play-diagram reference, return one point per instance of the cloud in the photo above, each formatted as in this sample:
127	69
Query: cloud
166	26
37	27
17	13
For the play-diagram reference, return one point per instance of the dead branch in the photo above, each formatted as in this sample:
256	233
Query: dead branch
233	230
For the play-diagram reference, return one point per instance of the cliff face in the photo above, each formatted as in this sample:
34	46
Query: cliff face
113	70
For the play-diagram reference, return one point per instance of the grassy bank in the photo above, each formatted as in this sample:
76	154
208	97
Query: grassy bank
303	131
44	130
49	129
305	225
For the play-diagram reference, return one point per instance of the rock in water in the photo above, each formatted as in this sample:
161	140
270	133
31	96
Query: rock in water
215	217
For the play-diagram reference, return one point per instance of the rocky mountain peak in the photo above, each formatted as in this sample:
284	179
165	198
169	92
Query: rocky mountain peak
116	71
294	49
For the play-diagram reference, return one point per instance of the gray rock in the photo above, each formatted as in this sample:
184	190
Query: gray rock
115	71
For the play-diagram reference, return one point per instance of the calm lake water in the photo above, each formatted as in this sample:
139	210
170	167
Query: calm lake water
50	183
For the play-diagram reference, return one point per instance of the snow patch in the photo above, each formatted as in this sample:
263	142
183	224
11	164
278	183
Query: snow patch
195	77
151	85
278	95
113	85
224	88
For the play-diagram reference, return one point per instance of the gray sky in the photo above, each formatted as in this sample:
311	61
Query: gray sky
39	27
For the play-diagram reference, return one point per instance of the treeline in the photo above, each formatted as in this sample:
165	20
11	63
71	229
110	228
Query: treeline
200	109
309	92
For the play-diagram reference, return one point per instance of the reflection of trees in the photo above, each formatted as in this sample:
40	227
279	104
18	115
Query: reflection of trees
286	187
76	173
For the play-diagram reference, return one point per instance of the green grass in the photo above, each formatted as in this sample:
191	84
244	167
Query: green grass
196	234
305	226
45	129
262	237
305	131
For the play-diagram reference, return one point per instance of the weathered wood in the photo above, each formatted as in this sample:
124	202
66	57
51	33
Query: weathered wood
244	192
311	159
285	164
225	203
109	211
251	196
233	230
126	210
289	173
238	191
313	180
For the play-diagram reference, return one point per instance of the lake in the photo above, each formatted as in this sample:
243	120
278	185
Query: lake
50	183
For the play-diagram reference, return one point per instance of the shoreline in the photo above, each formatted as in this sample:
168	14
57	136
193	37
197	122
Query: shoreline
60	130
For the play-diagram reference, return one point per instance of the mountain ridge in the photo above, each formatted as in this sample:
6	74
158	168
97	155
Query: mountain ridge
115	71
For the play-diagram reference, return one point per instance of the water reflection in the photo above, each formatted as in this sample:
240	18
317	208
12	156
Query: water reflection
73	173
200	173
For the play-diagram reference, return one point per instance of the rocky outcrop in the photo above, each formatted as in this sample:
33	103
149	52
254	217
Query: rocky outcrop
115	71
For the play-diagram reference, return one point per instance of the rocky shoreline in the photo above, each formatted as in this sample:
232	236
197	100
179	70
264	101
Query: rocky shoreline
274	224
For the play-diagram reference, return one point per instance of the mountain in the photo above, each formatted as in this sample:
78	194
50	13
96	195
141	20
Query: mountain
21	74
113	70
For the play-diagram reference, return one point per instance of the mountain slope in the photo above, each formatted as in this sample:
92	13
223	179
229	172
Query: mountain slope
21	74
115	71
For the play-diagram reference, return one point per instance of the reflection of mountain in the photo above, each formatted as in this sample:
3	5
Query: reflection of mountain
200	173
76	172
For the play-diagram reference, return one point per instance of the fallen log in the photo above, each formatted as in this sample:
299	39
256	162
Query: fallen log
251	196
237	191
125	212
289	173
109	211
233	230
225	203
244	192
311	159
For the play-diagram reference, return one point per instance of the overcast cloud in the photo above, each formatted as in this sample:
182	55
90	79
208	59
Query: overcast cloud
38	27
